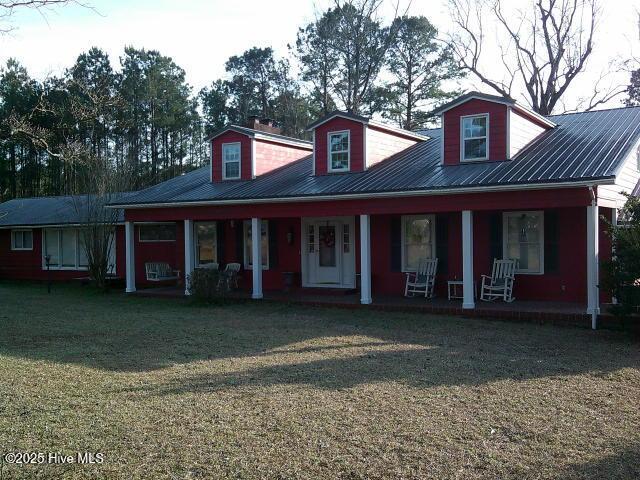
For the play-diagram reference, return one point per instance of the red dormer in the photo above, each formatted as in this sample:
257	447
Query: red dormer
478	127
346	143
241	153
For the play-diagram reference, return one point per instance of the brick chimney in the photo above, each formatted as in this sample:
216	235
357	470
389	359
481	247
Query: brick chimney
263	124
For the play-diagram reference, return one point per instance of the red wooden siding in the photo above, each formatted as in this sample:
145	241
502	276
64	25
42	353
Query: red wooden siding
567	284
289	259
245	154
497	129
339	124
517	200
272	155
27	264
381	144
386	281
169	252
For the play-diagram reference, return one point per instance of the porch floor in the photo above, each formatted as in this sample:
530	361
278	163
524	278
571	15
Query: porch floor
525	310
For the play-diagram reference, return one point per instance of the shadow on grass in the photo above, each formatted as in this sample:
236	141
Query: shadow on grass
622	465
117	333
445	365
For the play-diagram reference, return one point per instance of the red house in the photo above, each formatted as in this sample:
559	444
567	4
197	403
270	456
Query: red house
363	202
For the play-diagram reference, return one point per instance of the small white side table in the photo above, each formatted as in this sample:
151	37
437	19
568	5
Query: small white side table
452	289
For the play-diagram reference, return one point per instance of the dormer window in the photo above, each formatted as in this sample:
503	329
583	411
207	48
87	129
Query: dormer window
231	161
475	137
339	151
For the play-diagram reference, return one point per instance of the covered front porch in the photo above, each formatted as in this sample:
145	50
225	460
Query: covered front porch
285	248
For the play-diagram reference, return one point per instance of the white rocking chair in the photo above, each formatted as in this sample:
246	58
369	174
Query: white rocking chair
229	276
423	280
500	284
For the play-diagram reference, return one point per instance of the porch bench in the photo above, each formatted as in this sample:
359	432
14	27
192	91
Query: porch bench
160	272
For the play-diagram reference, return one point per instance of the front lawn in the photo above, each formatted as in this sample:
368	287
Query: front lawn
165	389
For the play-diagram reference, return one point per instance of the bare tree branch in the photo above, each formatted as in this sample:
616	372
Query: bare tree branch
545	48
100	180
9	7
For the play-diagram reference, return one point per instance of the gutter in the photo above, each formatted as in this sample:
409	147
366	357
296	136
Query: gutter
359	196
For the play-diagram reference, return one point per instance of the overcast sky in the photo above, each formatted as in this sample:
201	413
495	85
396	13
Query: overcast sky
201	34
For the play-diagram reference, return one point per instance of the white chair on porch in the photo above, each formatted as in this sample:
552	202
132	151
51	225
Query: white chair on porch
423	280
500	284
229	276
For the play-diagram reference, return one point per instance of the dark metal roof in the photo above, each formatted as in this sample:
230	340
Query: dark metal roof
252	133
41	211
584	147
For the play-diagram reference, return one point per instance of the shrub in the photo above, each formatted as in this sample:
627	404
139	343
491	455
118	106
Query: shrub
205	285
621	275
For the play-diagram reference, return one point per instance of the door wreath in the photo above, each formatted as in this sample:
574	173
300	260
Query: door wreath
329	238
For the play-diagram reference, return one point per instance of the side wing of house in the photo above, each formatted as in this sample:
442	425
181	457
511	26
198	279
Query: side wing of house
626	181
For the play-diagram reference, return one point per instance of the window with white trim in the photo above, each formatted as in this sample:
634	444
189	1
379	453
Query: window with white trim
231	161
339	143
206	243
157	232
418	240
21	240
66	250
264	244
475	137
523	240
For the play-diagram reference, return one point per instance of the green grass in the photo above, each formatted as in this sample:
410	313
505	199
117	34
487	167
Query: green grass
166	389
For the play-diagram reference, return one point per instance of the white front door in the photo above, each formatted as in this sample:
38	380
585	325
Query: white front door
328	259
327	256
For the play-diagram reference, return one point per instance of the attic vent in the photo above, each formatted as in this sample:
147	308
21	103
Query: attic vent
263	124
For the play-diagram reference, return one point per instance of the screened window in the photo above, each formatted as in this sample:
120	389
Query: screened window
264	244
417	240
66	250
206	243
339	151
475	141
231	161
69	248
157	232
523	240
52	247
83	261
21	240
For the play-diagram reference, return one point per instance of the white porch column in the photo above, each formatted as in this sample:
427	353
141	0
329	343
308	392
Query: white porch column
468	300
593	294
130	257
256	257
189	258
365	259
